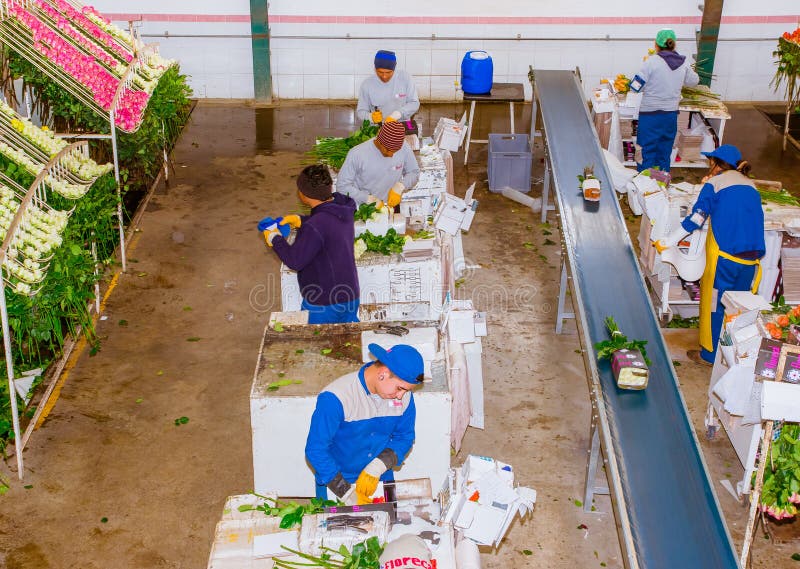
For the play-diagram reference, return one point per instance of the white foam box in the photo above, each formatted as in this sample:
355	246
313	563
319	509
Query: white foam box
449	134
780	401
391	288
425	340
461	326
280	422
473	352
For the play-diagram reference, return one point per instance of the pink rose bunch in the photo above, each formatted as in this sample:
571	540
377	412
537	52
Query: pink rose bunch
84	69
91	10
90	27
776	512
79	38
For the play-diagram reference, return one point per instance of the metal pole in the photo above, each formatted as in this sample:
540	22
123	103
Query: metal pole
12	390
707	39
119	191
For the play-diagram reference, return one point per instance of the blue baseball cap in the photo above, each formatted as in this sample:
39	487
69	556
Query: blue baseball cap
728	153
402	360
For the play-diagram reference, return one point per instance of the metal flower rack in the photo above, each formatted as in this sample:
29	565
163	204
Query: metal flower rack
105	68
29	227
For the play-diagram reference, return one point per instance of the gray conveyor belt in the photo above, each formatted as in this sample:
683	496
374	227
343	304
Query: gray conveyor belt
668	505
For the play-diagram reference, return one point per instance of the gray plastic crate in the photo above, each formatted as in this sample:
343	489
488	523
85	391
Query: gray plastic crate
510	160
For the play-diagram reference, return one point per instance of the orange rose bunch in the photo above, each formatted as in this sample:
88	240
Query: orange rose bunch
779	328
793	37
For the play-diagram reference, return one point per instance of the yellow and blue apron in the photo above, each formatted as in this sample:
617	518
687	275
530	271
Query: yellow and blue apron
711	295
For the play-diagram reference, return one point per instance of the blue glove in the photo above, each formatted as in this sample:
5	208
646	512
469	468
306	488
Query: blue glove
267	221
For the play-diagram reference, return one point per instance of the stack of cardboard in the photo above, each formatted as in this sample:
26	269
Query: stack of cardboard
689	146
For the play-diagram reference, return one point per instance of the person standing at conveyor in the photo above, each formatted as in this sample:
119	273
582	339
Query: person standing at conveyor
322	252
731	204
379	169
660	80
363	424
388	95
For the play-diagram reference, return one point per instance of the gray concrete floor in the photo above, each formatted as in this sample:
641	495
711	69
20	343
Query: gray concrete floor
110	449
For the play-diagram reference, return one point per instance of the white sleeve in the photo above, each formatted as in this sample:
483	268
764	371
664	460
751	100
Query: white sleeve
411	105
347	181
363	111
410	167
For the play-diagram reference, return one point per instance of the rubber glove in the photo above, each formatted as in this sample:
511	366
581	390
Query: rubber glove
361	499
395	116
670	240
367	481
395	194
378	202
285	230
377	117
271	233
292	221
266	222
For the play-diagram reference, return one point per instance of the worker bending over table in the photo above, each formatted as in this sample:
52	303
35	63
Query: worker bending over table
660	80
363	424
731	204
322	252
388	95
379	169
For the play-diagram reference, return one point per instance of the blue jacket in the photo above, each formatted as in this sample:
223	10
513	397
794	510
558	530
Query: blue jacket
737	220
322	253
350	427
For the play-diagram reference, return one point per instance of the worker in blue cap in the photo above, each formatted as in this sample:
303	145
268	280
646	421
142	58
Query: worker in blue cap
389	95
660	80
363	424
731	204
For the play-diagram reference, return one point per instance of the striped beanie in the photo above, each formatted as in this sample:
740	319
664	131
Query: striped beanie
391	135
385	60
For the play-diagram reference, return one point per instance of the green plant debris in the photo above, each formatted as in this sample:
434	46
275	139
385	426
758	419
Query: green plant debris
545	225
578	503
187	308
528	245
160	372
123	322
325	351
139	400
795	556
299	351
527	552
28	486
549	242
678	322
278	327
103	520
423	234
193	339
365	555
460	282
181	421
141	275
275	385
281	374
543	258
676	363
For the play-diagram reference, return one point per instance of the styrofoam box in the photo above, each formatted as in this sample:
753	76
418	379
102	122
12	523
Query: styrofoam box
473	352
233	542
461	326
386	282
279	462
425	340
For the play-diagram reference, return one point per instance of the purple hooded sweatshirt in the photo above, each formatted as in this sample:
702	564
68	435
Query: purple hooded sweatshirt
322	253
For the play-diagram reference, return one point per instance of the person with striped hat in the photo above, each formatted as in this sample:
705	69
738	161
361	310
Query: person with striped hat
388	95
380	169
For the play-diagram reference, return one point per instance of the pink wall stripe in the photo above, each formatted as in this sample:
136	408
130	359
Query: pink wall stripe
456	20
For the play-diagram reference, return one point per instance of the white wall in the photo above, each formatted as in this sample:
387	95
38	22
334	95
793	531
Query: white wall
313	59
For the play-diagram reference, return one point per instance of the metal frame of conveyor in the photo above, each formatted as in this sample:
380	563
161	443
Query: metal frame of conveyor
665	508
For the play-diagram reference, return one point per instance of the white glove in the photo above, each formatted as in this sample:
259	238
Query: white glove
376	468
672	239
396	115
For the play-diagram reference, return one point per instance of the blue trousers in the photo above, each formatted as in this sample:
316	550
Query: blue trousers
332	313
656	135
729	276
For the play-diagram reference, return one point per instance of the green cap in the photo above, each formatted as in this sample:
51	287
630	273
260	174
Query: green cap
663	35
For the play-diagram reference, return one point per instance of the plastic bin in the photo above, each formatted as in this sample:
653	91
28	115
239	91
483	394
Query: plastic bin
477	71
510	160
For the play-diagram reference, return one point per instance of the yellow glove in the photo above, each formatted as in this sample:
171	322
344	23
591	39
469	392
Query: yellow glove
378	203
394	117
293	221
660	247
377	117
270	234
395	194
361	499
390	119
366	485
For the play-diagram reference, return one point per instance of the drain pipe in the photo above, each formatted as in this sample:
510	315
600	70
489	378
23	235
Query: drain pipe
534	203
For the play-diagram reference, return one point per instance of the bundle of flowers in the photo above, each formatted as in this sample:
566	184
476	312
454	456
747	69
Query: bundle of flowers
67	189
84	69
95	17
785	321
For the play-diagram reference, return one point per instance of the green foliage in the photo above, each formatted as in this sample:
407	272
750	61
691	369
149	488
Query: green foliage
365	212
618	341
291	513
365	555
332	151
387	244
780	493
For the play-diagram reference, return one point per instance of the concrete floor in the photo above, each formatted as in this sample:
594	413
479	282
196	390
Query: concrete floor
113	482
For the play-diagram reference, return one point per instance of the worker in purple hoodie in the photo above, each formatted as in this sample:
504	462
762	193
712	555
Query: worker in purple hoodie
660	80
322	252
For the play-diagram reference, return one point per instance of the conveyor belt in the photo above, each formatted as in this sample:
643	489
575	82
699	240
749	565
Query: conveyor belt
666	508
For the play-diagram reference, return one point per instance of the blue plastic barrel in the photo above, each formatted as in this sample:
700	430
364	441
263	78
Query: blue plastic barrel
476	73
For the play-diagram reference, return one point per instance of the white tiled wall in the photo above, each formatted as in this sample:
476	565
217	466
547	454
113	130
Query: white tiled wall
218	55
